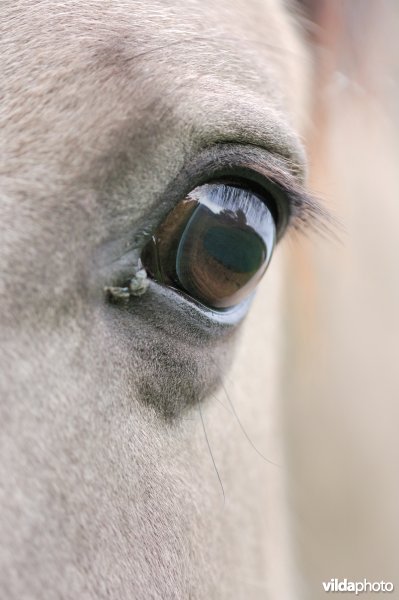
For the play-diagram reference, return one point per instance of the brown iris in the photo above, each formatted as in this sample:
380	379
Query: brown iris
215	244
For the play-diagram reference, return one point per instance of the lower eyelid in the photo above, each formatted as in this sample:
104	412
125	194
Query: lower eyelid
237	163
202	316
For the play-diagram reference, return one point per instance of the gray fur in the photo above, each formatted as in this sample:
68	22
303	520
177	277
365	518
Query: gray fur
107	490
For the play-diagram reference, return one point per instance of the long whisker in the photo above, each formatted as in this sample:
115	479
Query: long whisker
222	404
244	431
210	452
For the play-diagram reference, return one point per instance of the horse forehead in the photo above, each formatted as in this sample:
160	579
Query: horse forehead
148	20
155	40
88	71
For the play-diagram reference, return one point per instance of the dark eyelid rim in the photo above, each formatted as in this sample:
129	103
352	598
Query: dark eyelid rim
296	208
299	211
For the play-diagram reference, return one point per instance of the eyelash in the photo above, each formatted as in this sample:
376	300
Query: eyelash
291	206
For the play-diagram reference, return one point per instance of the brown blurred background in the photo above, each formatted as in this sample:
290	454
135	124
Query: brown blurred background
341	400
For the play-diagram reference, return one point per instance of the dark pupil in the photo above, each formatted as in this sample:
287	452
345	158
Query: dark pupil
218	255
237	250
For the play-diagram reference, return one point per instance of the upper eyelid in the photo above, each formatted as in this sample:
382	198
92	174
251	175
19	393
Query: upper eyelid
306	212
116	257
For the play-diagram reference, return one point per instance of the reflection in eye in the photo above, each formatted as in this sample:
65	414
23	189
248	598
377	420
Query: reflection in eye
215	244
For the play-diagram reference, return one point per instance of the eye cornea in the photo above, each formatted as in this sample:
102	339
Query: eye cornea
189	251
216	244
172	255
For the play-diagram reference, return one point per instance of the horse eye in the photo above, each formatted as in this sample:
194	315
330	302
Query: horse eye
215	245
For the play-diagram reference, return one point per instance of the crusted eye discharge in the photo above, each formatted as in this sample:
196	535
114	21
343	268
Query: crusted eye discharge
210	236
216	244
205	242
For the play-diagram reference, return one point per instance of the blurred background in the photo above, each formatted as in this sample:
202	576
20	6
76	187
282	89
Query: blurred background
341	398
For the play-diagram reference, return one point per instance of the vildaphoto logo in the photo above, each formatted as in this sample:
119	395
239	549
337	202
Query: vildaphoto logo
357	587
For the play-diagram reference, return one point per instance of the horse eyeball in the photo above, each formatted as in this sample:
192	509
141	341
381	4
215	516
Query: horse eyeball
215	245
